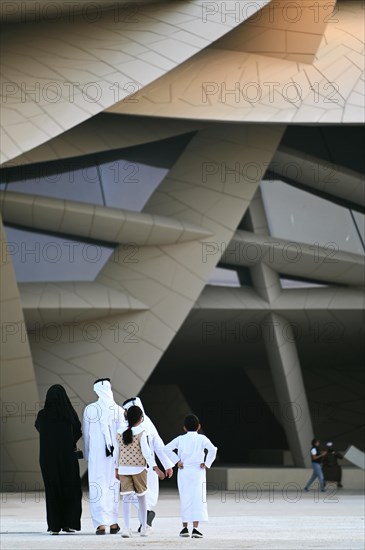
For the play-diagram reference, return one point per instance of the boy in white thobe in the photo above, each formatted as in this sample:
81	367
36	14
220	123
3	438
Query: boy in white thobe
102	419
191	479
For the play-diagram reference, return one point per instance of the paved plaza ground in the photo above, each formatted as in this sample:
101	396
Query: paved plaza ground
267	521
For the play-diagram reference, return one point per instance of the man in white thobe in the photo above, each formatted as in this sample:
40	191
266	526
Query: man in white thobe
157	446
101	421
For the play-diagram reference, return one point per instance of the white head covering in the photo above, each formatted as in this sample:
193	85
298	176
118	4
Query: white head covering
133	401
147	423
109	409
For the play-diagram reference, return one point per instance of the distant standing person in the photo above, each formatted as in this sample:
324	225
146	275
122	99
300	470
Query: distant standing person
59	429
332	470
316	456
191	480
102	419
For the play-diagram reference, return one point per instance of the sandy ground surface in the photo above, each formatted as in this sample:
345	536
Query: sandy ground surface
276	521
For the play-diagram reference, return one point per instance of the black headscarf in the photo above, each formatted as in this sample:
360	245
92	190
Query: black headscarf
58	402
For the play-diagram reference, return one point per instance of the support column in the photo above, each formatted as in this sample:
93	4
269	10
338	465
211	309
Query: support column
281	350
288	381
264	279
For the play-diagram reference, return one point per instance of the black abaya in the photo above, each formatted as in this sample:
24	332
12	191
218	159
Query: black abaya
60	470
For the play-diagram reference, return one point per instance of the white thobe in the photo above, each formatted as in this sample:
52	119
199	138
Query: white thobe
191	479
157	446
103	485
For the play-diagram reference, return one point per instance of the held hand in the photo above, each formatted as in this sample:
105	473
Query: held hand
159	472
116	474
203	466
169	472
180	465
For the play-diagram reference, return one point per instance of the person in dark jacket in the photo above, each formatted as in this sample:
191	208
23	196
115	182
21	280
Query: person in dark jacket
316	456
59	429
332	471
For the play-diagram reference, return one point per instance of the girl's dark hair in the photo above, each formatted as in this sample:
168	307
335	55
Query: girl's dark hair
314	441
191	422
134	415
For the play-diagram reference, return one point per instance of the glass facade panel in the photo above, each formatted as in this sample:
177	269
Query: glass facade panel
81	185
292	283
297	215
118	183
38	257
224	277
129	185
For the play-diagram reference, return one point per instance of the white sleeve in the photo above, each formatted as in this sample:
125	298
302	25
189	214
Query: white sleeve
120	421
146	451
212	452
158	446
169	450
86	433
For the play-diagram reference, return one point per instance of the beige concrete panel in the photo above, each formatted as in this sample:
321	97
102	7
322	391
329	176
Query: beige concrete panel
46	213
136	230
161	269
221	84
153	331
98	364
290	302
21	209
20	428
41	10
157	233
283	27
126	384
331	298
24	460
57	80
186	282
14	371
319	263
107	223
46	378
68	347
256	215
77	218
6	271
266	282
57	304
264	278
140	357
286	372
104	132
8	467
21	394
87	220
50	362
146	288
232	298
18	388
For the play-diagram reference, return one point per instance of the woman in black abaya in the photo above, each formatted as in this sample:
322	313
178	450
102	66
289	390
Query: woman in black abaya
59	429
